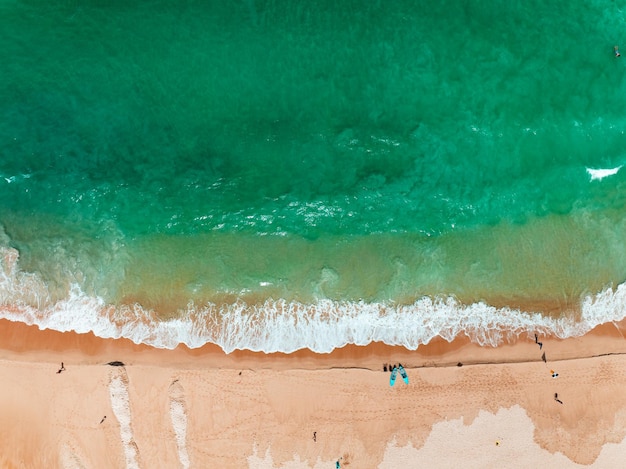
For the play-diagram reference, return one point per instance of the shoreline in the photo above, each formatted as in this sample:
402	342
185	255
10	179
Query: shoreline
22	340
249	409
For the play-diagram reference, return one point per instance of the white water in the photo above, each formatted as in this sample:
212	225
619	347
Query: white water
280	326
599	174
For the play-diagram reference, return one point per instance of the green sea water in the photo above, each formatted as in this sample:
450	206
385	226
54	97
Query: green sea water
175	153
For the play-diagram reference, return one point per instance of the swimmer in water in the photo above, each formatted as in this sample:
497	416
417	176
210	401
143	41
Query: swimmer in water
616	49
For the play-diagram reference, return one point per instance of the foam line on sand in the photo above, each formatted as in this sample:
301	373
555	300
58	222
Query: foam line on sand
178	414
120	403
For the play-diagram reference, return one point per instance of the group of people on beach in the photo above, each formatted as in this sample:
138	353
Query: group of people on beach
395	369
553	373
389	367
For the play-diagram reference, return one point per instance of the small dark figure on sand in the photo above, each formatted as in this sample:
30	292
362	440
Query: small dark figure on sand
61	369
314	436
459	364
556	398
103	419
384	367
543	357
536	339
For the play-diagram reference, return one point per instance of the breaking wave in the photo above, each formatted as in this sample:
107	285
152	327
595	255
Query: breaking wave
282	326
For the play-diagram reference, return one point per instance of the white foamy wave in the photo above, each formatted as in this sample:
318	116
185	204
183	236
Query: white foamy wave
599	174
282	326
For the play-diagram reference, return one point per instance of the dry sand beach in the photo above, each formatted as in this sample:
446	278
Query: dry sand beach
203	408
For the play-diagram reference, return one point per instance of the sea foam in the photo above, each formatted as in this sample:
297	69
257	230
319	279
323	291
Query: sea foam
599	174
282	326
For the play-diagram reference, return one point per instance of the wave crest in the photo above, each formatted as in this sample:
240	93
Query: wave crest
282	326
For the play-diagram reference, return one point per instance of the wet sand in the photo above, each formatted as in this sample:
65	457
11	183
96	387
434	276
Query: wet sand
203	408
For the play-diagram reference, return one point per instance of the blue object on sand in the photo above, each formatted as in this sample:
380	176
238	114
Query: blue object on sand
392	379
403	374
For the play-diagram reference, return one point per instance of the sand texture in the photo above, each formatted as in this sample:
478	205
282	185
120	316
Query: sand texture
202	408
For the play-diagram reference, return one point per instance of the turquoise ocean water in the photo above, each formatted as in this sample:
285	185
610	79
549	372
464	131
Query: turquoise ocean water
276	175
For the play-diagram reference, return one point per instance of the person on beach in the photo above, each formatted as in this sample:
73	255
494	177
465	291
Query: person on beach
616	50
61	369
556	398
103	419
314	436
543	357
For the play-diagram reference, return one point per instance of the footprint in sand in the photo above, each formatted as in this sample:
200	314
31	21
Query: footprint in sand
70	459
178	414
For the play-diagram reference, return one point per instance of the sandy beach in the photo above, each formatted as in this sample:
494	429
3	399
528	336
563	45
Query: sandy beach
203	408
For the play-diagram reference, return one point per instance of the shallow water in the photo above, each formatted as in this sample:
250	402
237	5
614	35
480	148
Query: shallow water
192	160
